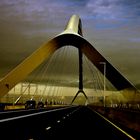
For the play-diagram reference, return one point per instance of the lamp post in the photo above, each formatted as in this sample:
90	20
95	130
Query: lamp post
104	63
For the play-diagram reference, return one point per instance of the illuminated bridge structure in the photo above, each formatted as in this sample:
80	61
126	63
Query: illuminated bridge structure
72	119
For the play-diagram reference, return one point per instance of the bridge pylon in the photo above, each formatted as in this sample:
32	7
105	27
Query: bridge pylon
80	77
72	35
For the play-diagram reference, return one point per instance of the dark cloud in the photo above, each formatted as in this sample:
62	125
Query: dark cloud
112	26
114	9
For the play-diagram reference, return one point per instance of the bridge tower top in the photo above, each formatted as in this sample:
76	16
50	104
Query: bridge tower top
74	26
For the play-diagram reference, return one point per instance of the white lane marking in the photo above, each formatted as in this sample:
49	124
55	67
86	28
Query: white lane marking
49	127
33	114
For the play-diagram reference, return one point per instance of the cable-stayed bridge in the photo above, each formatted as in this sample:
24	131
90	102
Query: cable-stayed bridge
96	84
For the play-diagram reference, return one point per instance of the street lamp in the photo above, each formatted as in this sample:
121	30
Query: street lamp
104	63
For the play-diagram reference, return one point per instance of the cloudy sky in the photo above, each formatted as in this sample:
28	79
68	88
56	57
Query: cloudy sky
111	26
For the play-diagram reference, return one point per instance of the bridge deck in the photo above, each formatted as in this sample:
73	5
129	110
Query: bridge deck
76	122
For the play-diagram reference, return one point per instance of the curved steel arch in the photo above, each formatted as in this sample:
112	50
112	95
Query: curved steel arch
72	35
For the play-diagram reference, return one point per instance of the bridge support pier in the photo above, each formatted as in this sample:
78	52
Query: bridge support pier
80	91
80	77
